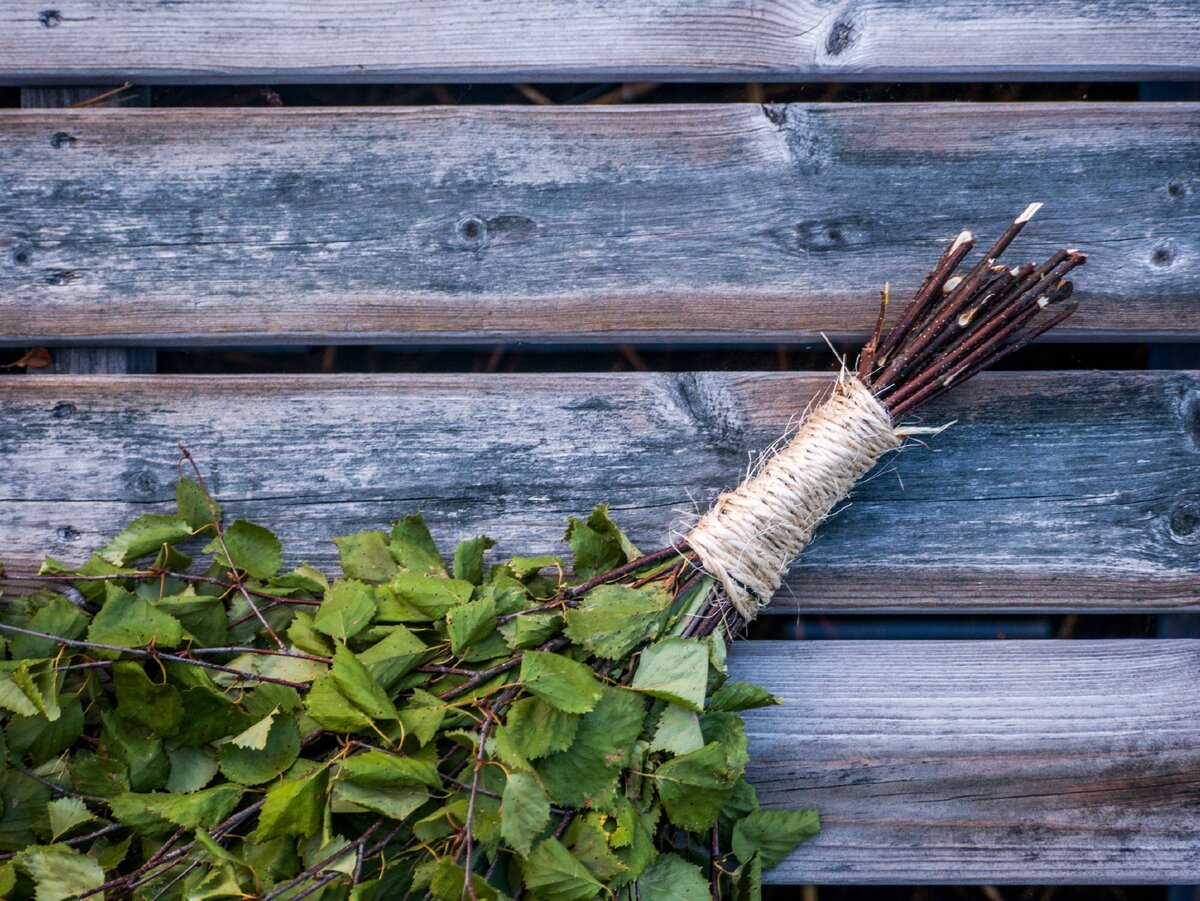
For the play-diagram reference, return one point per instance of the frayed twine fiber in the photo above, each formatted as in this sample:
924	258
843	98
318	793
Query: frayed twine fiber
751	534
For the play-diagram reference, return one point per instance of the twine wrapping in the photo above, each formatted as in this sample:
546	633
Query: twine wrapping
751	534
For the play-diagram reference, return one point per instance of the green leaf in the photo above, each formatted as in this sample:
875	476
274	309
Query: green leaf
747	880
305	638
294	807
191	768
468	559
675	669
41	740
193	505
611	620
774	834
449	880
589	844
559	681
413	548
531	630
31	688
66	814
250	766
524	812
365	556
24	803
728	730
346	610
209	716
98	774
60	872
157	707
390	658
144	536
379	769
202	616
586	773
59	617
734	696
293	669
537	730
598	545
356	682
694	787
331	710
252	549
128	621
40	682
423	716
553	873
397	803
416	596
528	566
678	731
470	623
141	751
255	737
672	878
204	808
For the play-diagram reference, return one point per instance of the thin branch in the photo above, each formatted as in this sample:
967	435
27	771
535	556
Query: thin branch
233	570
152	655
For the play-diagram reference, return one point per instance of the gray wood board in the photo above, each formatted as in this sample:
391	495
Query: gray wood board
89	360
727	223
982	762
1052	491
569	40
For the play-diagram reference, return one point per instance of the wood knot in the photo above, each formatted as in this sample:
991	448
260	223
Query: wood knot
50	18
823	236
472	232
143	484
1184	521
1164	254
843	34
1190	411
61	139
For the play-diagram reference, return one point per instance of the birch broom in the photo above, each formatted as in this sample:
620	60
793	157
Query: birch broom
185	720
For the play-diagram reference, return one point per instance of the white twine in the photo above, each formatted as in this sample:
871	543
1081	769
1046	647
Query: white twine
751	534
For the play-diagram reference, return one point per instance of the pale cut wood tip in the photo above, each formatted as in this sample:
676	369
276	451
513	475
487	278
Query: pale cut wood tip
1029	213
963	237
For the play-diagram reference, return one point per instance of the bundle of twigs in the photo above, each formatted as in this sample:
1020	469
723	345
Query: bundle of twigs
448	732
955	326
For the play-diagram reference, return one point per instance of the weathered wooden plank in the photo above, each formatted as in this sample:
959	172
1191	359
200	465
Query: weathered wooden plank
564	40
961	762
699	223
90	360
1053	491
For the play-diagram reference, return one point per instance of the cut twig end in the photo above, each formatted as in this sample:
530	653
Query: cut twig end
1030	212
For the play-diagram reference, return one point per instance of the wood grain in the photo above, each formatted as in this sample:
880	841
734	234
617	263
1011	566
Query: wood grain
1061	491
90	360
568	40
727	223
992	762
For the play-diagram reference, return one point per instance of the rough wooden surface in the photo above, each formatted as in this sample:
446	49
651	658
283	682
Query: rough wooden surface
566	40
1053	491
90	360
962	762
697	223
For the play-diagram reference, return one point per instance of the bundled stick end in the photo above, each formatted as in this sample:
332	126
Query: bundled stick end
1030	212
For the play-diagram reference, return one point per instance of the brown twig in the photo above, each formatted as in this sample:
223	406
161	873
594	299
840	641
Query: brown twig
155	655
